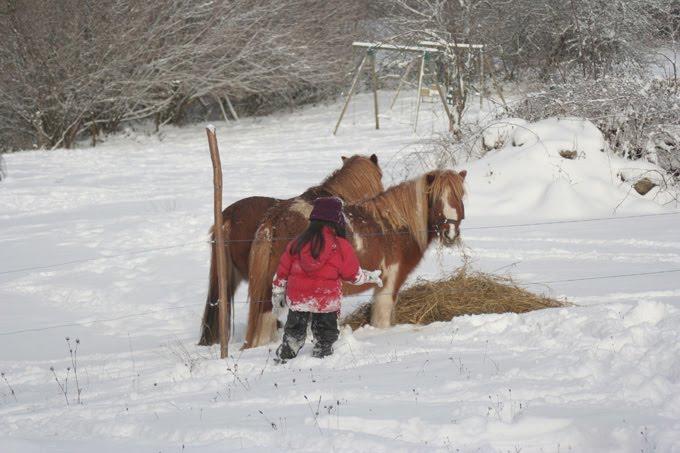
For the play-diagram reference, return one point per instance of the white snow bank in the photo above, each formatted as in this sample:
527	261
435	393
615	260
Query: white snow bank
602	378
556	168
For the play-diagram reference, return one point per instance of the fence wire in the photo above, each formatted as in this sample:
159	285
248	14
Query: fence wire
367	298
290	238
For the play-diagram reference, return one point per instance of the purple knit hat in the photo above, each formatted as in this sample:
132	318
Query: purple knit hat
328	209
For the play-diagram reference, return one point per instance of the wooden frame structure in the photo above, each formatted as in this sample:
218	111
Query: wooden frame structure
424	50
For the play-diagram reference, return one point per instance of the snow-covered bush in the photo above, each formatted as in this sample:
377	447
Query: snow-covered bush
497	134
638	117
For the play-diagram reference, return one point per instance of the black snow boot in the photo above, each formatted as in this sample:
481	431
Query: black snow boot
322	350
325	331
294	335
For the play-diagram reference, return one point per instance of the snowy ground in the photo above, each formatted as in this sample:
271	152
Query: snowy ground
600	376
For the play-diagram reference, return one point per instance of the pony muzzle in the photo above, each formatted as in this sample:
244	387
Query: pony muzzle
449	232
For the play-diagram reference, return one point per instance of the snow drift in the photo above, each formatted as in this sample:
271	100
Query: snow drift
556	168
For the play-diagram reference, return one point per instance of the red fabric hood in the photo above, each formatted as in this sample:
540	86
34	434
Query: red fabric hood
308	263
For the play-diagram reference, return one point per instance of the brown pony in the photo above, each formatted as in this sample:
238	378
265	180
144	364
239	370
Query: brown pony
390	231
358	178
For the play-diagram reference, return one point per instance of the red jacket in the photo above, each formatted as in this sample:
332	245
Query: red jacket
315	285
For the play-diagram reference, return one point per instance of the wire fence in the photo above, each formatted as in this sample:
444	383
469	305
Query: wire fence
289	238
366	298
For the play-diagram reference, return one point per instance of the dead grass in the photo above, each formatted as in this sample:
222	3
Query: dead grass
464	293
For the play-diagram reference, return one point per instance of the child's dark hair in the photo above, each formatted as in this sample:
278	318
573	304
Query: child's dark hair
314	236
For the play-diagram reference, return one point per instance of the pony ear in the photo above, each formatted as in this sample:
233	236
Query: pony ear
344	158
374	159
463	173
430	178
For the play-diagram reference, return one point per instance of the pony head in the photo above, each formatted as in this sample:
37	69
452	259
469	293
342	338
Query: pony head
359	177
445	189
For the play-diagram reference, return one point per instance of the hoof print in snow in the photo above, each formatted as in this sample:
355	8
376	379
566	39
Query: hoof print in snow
643	185
567	154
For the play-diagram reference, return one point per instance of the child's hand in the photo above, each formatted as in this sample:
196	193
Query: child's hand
374	277
279	295
279	300
368	277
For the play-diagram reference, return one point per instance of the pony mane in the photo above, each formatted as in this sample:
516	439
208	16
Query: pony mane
447	179
402	206
358	178
405	206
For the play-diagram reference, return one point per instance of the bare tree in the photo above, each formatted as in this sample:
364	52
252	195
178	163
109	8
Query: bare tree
553	35
77	66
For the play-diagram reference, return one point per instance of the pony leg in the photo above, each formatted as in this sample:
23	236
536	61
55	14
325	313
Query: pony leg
384	298
266	330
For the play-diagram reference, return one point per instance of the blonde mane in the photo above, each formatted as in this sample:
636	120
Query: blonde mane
402	206
405	206
358	178
447	179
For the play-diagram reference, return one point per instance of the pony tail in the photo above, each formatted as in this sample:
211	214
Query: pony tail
259	284
210	322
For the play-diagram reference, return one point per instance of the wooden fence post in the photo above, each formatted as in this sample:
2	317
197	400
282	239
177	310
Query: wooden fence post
224	311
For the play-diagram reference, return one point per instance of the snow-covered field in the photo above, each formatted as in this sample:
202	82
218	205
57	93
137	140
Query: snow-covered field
109	245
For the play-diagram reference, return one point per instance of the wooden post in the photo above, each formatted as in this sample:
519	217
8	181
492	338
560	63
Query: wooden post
351	91
420	87
401	82
374	84
224	311
442	96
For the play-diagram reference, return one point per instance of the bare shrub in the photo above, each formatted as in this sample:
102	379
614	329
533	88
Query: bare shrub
9	386
72	67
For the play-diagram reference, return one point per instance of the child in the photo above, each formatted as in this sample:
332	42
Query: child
309	279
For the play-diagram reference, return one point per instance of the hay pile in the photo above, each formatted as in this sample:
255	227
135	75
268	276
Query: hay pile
464	293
